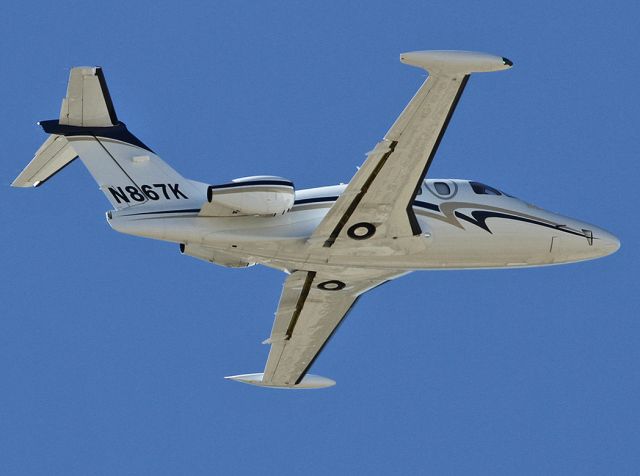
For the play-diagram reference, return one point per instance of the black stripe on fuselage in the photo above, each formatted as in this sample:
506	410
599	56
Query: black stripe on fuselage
316	199
284	183
480	220
427	205
303	201
478	217
162	212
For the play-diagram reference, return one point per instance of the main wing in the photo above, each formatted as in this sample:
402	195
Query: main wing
312	305
376	206
378	200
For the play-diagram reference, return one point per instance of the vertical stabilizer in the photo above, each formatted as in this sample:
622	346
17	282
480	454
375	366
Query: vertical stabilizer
126	170
88	102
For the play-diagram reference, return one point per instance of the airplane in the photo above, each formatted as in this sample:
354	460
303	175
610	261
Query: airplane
335	243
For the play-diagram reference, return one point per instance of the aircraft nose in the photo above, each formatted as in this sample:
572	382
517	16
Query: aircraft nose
581	241
606	242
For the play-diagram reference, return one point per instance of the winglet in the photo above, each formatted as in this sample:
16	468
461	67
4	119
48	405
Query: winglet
309	381
455	62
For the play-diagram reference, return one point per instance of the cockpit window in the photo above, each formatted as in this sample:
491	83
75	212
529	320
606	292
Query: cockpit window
482	189
442	188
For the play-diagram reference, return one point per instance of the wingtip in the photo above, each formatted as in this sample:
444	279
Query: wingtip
308	382
455	62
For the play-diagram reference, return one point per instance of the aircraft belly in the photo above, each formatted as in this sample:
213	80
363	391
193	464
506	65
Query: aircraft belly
281	242
504	243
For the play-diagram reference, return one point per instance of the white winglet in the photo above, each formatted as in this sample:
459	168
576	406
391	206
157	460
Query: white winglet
455	62
309	381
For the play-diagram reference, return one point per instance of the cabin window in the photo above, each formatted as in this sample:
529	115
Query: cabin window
482	189
442	188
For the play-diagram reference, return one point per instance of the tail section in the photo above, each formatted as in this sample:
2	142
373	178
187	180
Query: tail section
126	170
88	103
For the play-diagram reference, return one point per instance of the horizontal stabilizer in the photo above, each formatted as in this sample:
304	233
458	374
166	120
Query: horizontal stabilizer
309	381
50	158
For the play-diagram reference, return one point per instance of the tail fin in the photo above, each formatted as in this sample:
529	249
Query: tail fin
126	170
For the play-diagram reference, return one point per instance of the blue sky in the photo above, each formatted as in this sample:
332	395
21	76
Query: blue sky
113	348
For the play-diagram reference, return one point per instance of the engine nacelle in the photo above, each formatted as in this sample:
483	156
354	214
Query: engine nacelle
263	195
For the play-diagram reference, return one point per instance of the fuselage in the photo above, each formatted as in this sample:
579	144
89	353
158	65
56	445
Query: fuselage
335	242
465	225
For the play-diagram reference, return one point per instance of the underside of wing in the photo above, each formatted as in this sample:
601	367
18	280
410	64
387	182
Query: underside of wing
377	202
312	306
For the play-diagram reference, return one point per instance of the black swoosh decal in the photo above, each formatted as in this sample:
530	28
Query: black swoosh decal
480	220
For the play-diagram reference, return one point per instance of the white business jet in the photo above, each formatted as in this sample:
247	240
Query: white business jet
335	243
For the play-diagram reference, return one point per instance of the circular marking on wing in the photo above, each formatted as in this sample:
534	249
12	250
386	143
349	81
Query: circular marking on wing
332	285
361	231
